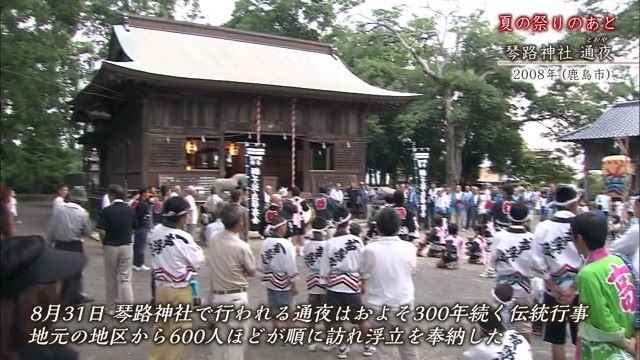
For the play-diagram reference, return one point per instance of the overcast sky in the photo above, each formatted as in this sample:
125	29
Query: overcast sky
216	12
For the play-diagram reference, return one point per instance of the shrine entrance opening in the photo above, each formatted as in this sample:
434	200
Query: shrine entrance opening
277	161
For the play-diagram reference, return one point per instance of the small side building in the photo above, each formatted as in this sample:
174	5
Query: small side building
616	132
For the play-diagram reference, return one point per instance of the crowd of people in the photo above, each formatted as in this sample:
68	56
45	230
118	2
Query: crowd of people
569	258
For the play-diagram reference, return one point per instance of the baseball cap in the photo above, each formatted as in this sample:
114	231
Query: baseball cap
28	260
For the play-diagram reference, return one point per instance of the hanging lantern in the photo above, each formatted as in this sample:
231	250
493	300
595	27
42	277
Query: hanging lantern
203	139
191	147
348	144
284	136
188	167
324	145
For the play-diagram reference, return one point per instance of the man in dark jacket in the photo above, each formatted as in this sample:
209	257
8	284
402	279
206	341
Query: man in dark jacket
143	223
275	209
324	205
117	222
408	217
501	208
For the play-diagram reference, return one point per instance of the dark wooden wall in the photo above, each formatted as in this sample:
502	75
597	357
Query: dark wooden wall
147	136
123	151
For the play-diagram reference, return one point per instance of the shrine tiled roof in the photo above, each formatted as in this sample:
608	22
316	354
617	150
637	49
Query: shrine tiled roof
231	59
621	120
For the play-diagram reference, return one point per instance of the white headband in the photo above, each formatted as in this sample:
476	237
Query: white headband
568	202
342	221
493	293
171	213
321	230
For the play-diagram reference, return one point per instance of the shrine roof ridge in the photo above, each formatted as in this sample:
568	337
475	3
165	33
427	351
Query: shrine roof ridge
620	120
221	32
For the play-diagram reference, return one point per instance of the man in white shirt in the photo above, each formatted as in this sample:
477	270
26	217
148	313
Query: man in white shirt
604	200
175	258
337	194
387	268
68	227
557	262
213	201
192	216
482	206
213	228
105	201
443	202
176	190
268	191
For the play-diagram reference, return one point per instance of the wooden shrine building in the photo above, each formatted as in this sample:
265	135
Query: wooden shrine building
616	131
173	100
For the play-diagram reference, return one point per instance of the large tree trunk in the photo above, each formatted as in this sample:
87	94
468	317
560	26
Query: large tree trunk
453	158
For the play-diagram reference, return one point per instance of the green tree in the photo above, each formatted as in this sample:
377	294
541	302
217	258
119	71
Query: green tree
388	67
41	67
39	75
470	91
304	19
540	169
595	184
568	106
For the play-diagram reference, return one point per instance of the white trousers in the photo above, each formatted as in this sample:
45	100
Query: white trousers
226	351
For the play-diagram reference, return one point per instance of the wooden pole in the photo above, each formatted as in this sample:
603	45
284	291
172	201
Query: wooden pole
293	142
585	169
258	118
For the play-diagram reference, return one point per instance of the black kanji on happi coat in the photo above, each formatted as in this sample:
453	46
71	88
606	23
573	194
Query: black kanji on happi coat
514	252
159	244
557	245
338	256
268	255
311	259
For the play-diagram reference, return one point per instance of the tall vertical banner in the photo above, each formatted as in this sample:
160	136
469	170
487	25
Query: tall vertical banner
421	164
254	157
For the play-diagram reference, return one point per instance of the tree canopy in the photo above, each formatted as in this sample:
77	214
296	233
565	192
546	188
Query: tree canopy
304	19
48	50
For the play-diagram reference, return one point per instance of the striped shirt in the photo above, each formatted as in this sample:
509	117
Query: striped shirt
313	252
511	258
341	264
554	254
277	264
174	256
